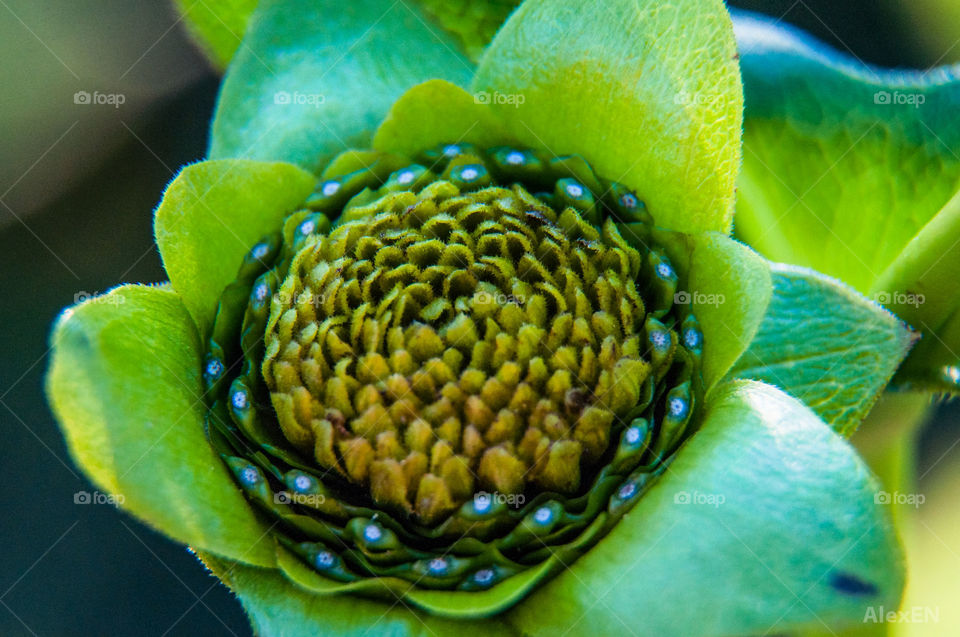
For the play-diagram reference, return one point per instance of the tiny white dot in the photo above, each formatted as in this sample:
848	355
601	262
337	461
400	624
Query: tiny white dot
302	483
452	150
331	188
483	576
629	201
260	250
372	533
664	270
543	515
627	491
633	435
324	559
575	190
659	339
250	475
677	407
261	292
437	565
469	173
240	400
405	177
515	158
214	367
307	227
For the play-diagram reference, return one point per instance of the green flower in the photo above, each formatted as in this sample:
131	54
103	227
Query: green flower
448	373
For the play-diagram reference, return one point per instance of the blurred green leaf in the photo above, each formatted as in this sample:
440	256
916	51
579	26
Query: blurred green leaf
212	214
124	382
217	26
649	93
851	170
314	79
474	23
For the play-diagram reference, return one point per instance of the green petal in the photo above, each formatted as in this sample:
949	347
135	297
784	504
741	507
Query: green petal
434	113
851	170
474	23
729	288
454	604
276	607
649	93
124	383
825	344
765	523
216	26
212	214
314	79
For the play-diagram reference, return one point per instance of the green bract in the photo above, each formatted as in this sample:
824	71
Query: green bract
495	364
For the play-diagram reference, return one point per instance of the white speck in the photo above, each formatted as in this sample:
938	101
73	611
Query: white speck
324	559
483	576
629	201
451	151
261	292
260	250
307	226
250	475
331	188
660	339
575	190
543	515
214	367
481	502
664	270
240	399
691	338
437	565
678	407
515	158
302	483
633	435
405	177
372	533
627	491
469	173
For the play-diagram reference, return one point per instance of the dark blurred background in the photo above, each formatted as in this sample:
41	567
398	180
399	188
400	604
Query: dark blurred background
78	183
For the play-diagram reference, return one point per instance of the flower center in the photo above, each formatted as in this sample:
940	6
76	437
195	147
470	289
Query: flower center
452	371
438	343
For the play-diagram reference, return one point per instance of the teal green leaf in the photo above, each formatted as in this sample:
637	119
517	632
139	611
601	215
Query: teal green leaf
765	523
124	382
852	171
278	608
473	23
212	214
825	344
314	79
728	286
434	113
216	26
648	92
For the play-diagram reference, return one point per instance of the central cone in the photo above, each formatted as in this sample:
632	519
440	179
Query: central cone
450	341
